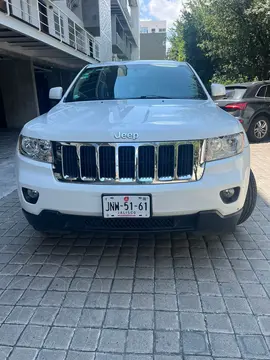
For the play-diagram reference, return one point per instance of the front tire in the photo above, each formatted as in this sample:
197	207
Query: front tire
259	129
251	199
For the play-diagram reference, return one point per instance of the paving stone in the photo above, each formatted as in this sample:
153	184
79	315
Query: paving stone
53	298
31	297
231	289
20	353
143	301
59	338
44	315
10	297
4	312
195	343
33	336
219	323
112	340
143	286
264	322
19	315
20	282
165	286
213	304
209	288
245	324
253	346
189	303
140	341
120	301
83	355
166	320
237	305
123	286
85	339
142	319
138	357
91	317
167	342
10	333
97	300
75	299
254	290
224	345
192	321
60	284
260	306
68	317
40	283
46	354
186	287
116	319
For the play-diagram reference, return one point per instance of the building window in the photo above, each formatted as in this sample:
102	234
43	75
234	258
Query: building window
162	30
153	30
144	30
58	25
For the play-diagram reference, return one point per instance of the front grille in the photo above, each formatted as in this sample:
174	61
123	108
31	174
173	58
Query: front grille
127	163
146	162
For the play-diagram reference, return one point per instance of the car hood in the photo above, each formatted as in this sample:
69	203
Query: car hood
151	120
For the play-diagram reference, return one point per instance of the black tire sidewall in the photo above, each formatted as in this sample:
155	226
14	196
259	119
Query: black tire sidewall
251	129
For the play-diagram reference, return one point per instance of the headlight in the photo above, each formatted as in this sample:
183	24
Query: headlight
40	150
224	147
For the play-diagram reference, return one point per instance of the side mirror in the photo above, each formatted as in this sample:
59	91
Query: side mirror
56	93
218	91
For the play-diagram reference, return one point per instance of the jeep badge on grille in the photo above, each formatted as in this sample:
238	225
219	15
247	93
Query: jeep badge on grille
132	136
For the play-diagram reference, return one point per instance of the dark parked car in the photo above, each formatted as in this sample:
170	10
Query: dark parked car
250	104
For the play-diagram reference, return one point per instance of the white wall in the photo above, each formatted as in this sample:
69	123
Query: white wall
161	24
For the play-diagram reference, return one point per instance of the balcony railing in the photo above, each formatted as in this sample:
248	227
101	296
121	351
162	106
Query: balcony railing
48	18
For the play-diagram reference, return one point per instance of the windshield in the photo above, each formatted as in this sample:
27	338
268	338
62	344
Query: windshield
137	81
235	93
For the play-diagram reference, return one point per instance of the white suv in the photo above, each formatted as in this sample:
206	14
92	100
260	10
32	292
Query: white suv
135	146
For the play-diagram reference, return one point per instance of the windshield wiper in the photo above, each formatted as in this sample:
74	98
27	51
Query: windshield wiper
151	97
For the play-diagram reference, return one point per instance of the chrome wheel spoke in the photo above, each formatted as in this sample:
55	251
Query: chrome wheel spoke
260	129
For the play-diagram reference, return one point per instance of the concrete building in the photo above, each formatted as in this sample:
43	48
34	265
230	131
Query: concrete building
44	43
153	40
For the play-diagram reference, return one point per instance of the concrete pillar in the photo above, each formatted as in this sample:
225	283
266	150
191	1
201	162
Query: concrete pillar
17	82
135	15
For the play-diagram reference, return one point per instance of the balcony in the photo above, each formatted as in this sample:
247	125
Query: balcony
43	30
119	8
119	47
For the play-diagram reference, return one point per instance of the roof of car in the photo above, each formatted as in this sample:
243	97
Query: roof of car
249	84
118	63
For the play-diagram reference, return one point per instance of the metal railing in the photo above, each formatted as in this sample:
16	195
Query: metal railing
50	19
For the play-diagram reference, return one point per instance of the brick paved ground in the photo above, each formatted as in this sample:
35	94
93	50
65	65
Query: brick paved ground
134	297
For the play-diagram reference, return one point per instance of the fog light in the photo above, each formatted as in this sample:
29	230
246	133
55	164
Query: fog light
230	195
30	195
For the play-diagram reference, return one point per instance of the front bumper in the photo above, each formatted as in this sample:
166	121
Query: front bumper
204	222
168	200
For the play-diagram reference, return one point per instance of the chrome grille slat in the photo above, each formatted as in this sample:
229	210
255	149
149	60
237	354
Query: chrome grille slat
107	162
70	169
88	166
126	155
146	162
129	163
166	162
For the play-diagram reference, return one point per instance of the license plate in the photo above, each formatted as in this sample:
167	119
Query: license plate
128	206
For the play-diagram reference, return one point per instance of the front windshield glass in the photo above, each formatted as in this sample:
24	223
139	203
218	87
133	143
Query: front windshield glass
137	81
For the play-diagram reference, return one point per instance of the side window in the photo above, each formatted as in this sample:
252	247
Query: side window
262	91
268	92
